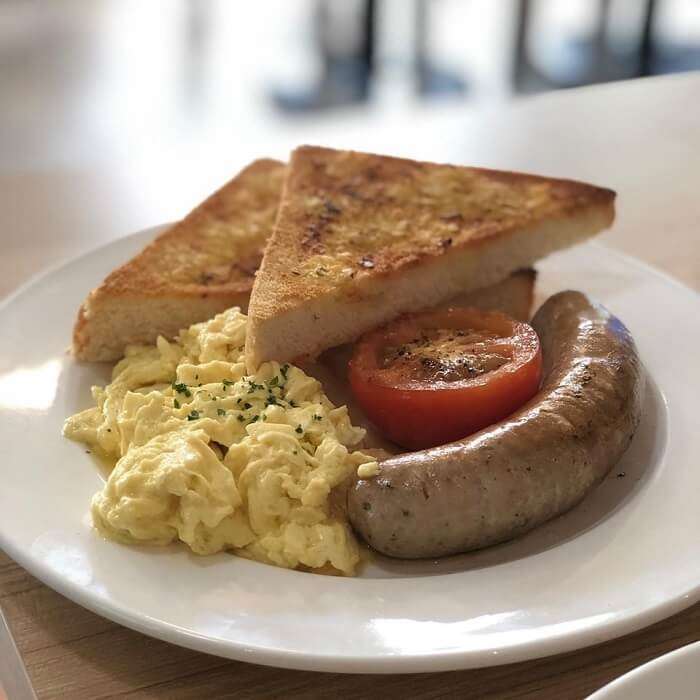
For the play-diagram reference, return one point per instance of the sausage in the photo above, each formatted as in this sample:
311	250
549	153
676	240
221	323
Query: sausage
532	466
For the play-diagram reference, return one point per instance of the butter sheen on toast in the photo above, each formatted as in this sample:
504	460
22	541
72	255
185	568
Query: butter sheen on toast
362	238
197	268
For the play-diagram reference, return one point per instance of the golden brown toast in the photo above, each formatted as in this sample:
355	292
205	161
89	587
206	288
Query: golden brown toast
513	295
362	238
194	270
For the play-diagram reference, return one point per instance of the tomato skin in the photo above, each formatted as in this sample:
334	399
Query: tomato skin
417	415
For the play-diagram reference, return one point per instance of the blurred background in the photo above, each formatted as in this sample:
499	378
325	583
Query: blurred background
178	94
79	80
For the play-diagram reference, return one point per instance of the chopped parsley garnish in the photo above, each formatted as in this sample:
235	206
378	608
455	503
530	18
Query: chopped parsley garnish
254	387
283	370
299	429
176	403
193	415
317	417
274	381
181	388
247	405
271	400
227	383
293	403
241	418
254	418
221	411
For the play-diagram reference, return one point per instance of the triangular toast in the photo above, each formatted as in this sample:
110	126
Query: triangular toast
194	270
361	238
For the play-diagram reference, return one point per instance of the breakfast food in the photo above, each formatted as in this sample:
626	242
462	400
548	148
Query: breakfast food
206	263
434	377
362	238
389	313
194	270
513	296
534	465
219	459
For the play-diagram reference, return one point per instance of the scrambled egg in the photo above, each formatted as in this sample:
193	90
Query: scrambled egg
219	459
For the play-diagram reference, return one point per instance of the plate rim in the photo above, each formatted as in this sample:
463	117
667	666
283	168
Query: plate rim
356	663
618	683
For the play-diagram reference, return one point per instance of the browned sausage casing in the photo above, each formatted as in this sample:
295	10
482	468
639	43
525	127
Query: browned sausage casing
530	467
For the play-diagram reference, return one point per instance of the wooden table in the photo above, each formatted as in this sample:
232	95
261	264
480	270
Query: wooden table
641	138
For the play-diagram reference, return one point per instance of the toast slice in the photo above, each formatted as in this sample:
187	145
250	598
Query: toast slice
362	238
197	268
513	296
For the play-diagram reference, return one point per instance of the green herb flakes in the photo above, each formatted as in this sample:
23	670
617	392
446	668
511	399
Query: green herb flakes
181	389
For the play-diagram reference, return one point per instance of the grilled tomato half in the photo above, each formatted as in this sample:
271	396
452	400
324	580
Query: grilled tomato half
431	378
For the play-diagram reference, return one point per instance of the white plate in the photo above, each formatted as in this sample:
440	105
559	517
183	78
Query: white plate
627	557
675	675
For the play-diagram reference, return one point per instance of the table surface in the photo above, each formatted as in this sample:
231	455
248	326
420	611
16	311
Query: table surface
640	138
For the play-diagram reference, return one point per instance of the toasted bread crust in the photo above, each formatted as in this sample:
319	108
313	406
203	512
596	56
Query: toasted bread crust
360	238
514	296
198	267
